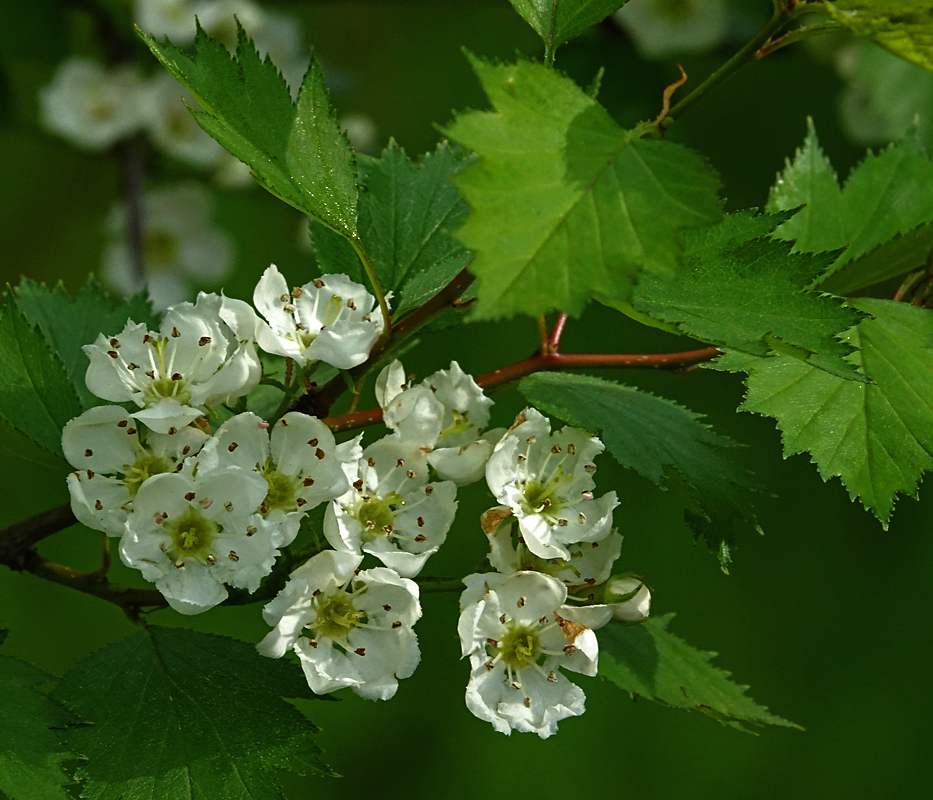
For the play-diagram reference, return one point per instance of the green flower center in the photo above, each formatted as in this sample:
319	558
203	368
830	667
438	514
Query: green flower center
519	647
164	386
192	535
377	515
336	616
460	425
281	492
144	468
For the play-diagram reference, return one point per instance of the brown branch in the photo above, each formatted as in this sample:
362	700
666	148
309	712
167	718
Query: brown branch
17	540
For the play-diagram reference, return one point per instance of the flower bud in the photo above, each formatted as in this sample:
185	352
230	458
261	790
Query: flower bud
629	597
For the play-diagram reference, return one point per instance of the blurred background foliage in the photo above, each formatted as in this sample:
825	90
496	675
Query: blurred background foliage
826	615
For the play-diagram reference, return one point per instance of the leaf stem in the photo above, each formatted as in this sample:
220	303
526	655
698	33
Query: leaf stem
377	287
798	35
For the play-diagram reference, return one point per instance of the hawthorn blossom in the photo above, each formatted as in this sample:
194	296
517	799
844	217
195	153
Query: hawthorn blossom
349	628
90	106
390	510
192	533
546	480
298	461
517	638
113	459
172	127
171	18
195	361
330	319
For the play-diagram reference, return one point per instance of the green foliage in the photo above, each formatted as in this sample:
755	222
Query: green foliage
559	21
566	204
182	714
36	394
649	661
883	215
878	437
740	289
32	755
662	441
905	27
68	323
296	150
406	211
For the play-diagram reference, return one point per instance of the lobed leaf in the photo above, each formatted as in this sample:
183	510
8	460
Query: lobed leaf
648	661
565	204
905	27
662	441
559	21
183	714
295	149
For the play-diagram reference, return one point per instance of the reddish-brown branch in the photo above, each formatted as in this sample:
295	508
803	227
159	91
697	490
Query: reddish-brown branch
17	540
558	331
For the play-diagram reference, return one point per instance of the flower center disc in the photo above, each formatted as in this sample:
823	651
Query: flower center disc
281	492
520	647
144	468
192	535
377	517
336	616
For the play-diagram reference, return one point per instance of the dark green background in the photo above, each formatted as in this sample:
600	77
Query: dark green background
825	616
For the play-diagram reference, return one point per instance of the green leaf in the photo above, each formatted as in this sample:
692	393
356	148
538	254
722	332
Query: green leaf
905	27
740	289
648	661
662	441
36	395
878	438
32	755
566	204
889	195
406	211
296	150
68	323
559	21
182	714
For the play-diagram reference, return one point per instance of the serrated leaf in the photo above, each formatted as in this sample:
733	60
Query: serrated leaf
36	395
31	754
877	438
905	27
738	288
662	441
559	21
68	323
188	715
648	661
406	213
888	195
297	151
566	204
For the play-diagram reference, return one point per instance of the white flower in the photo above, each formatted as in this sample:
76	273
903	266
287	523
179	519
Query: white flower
172	127
300	464
661	29
517	638
113	460
546	479
195	361
348	628
330	319
191	534
391	511
629	599
181	245
171	18
90	106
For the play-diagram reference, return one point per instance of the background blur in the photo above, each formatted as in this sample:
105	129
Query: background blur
826	616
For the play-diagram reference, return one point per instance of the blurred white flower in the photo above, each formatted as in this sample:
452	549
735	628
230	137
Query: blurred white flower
172	128
171	18
362	132
662	28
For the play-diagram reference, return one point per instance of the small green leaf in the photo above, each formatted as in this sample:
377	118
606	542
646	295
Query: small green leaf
878	437
296	150
566	204
559	21
648	661
406	211
188	715
740	289
36	395
886	197
662	441
905	27
32	755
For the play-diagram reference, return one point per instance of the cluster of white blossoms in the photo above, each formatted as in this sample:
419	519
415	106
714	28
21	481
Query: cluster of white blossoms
197	510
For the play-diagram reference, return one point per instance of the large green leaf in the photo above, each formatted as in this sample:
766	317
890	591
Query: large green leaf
566	204
31	753
886	199
664	442
36	394
296	150
740	289
878	437
68	323
905	27
559	21
648	661
180	714
406	212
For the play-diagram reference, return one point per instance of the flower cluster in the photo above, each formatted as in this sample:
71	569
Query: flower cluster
199	510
